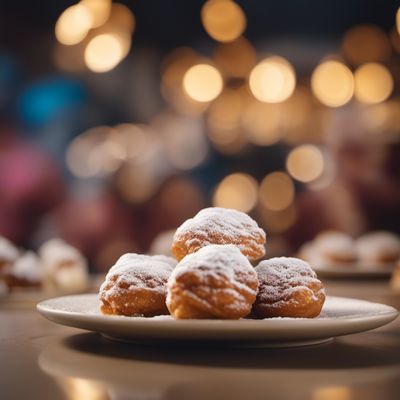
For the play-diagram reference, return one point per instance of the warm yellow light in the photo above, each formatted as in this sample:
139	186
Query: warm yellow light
73	24
332	393
224	113
94	153
236	58
99	10
272	80
203	82
366	43
223	20
121	16
261	123
398	20
373	83
305	163
103	53
238	191
278	221
174	67
332	83
276	191
136	183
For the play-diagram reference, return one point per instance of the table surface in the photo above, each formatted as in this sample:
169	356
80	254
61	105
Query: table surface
42	360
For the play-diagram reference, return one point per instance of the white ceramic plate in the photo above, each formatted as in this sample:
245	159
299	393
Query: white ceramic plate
340	316
354	271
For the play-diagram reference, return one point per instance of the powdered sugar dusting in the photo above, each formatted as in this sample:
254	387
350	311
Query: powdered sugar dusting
332	243
280	277
138	271
232	224
27	267
222	262
373	245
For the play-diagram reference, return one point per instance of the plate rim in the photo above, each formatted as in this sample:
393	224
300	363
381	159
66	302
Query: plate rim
127	320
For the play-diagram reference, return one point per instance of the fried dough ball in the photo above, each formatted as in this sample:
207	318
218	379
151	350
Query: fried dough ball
26	272
136	286
218	281
378	247
217	225
334	247
288	288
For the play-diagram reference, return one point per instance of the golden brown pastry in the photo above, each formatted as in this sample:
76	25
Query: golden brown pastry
217	225
288	287
379	247
136	286
26	272
218	281
333	247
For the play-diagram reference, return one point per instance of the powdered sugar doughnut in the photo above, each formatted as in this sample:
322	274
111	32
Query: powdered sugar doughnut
136	285
216	282
378	247
333	246
288	288
64	267
25	272
217	225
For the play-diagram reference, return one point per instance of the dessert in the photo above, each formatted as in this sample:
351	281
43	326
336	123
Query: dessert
288	287
217	281
26	272
136	286
64	267
333	247
379	247
217	225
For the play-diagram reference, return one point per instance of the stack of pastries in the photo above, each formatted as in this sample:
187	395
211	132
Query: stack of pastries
212	276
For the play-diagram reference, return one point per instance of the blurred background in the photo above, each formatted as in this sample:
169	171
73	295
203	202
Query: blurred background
119	120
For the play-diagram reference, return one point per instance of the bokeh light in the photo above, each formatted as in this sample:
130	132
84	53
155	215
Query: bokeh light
305	163
99	10
224	113
183	139
272	80
373	83
103	53
238	191
223	20
94	153
278	221
237	58
121	16
366	43
332	83
261	123
73	24
173	69
136	183
398	20
203	82
276	191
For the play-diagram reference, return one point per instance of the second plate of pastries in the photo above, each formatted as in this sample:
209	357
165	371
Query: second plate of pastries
216	290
